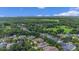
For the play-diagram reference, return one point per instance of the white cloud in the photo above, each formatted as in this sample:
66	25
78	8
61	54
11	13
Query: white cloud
41	7
75	8
43	15
2	16
71	12
39	15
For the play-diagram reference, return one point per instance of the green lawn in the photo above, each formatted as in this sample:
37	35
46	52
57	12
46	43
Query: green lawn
65	28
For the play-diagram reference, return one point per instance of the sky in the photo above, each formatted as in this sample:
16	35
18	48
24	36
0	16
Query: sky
39	11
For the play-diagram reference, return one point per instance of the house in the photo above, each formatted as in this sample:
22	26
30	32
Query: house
68	46
50	48
9	45
3	44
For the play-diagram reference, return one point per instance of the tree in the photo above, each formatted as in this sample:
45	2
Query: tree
59	31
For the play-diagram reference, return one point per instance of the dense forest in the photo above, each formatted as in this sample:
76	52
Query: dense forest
39	33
